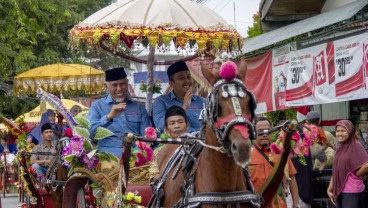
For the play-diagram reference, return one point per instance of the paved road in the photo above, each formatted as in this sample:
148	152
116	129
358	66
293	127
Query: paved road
10	201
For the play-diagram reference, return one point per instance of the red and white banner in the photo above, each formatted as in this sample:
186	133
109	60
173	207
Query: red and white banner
259	80
326	73
331	72
280	66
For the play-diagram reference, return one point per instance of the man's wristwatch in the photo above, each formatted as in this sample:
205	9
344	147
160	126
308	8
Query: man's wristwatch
109	120
297	206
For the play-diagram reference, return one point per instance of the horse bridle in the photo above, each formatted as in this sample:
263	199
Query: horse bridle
234	90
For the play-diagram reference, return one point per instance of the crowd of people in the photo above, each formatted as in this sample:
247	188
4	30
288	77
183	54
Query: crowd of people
180	110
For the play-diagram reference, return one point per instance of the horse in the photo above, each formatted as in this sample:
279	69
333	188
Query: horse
57	174
218	175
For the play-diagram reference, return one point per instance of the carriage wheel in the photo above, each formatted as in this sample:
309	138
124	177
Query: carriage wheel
81	200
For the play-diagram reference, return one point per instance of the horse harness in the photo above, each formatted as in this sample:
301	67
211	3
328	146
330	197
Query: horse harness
234	90
187	155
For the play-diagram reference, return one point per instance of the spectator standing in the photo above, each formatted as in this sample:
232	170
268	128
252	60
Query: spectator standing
350	165
262	162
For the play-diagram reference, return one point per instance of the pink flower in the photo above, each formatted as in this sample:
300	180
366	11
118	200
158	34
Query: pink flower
307	142
275	149
141	160
228	70
305	150
145	155
296	151
296	137
150	133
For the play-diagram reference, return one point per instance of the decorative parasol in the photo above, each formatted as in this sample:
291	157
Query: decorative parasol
57	78
13	127
157	24
34	116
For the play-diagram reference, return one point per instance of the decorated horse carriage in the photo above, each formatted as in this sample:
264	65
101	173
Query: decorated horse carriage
207	168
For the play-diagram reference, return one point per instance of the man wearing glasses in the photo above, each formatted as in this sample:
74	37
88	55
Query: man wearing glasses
262	162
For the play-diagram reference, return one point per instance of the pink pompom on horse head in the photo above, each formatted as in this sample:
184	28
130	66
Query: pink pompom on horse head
228	70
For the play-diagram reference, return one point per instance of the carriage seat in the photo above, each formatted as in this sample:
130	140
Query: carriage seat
145	191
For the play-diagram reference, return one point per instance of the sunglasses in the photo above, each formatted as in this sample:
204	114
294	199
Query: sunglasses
263	132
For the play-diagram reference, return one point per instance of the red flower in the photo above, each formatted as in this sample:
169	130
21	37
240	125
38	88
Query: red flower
31	170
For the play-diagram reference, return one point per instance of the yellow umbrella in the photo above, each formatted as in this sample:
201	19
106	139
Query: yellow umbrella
60	78
34	116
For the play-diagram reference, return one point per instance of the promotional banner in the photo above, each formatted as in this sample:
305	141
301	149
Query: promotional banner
349	67
326	73
280	66
300	77
259	80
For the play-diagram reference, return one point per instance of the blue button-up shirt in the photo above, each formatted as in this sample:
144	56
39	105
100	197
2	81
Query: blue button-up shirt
134	119
163	102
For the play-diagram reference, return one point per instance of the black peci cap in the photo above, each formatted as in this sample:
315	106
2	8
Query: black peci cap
177	67
115	74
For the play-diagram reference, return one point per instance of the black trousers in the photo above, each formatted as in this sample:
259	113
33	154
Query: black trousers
350	200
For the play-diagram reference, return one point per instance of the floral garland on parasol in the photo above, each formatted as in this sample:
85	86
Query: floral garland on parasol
206	38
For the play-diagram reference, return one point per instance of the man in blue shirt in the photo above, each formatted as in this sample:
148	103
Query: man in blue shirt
181	95
117	112
6	147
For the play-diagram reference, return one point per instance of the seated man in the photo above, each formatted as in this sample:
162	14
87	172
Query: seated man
42	162
176	124
6	147
181	95
117	112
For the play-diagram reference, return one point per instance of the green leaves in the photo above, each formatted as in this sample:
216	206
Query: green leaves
69	158
105	156
91	154
82	132
102	133
87	145
82	122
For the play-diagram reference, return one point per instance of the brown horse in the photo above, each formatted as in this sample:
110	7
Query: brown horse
57	174
225	154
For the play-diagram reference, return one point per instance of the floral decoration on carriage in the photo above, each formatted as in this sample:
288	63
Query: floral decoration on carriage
83	158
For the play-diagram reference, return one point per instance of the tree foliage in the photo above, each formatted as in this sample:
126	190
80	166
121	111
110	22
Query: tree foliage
35	33
256	28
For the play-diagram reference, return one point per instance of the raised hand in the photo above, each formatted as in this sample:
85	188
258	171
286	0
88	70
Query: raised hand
116	110
188	98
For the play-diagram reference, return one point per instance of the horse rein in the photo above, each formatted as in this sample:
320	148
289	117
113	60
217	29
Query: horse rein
234	90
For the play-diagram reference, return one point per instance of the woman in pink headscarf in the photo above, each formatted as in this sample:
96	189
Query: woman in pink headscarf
350	165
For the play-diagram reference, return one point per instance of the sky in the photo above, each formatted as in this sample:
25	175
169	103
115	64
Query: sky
244	10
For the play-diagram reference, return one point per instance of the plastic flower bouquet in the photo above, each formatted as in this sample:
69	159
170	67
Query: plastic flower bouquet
300	147
143	153
80	153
